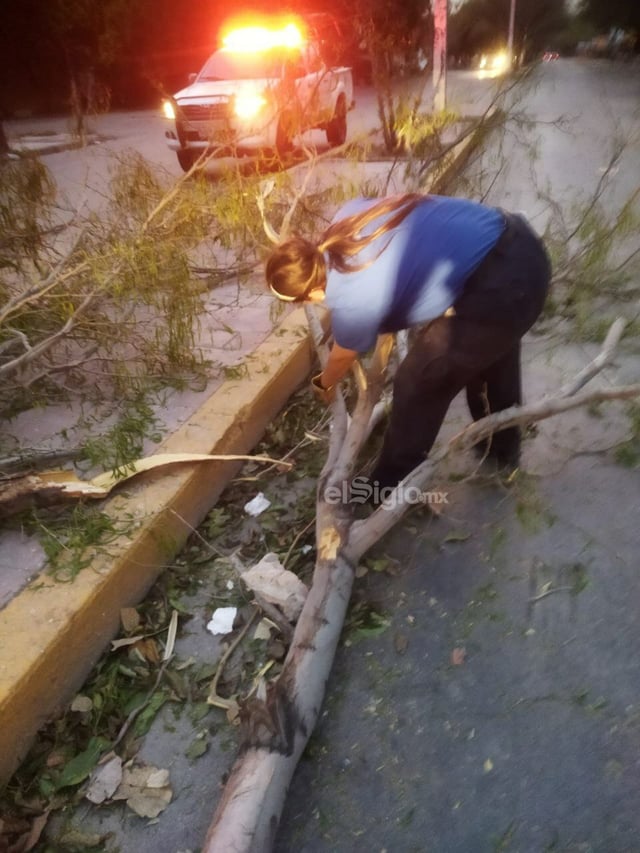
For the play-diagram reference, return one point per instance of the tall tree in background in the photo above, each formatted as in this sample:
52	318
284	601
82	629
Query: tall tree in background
606	14
129	47
481	25
91	37
392	33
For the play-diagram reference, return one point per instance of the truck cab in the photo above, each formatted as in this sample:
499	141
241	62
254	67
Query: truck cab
259	90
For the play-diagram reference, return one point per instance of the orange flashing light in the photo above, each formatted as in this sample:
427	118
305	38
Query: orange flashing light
249	39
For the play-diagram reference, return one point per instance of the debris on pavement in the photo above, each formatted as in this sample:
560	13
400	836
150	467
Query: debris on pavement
277	585
146	790
257	505
105	780
222	620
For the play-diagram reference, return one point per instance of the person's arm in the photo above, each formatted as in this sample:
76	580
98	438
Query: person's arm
337	366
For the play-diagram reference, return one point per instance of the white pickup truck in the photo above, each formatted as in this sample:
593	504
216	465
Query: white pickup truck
259	93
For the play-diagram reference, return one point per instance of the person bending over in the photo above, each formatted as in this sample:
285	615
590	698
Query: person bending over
472	278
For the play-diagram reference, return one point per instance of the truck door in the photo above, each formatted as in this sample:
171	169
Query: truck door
295	89
318	83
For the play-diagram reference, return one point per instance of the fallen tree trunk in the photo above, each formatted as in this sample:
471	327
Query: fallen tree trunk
278	721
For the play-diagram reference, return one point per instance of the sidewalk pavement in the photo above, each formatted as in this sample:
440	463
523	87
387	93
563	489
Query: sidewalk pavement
51	634
49	143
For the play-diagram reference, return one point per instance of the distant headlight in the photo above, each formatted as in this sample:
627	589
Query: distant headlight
169	110
248	105
499	61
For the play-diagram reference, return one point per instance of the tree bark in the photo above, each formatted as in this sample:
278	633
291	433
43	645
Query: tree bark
276	728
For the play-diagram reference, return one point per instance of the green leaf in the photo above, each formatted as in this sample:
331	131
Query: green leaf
378	565
79	768
457	536
143	722
197	748
372	626
199	711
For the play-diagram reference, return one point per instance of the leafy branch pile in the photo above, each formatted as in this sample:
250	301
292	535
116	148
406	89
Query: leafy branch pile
100	303
596	258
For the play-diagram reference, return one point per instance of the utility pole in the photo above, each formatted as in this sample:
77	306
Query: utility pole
512	18
439	55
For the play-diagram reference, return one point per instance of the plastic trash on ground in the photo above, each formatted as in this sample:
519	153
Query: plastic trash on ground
257	505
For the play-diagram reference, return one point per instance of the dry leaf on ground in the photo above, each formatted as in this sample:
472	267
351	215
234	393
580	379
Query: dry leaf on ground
458	656
105	780
146	790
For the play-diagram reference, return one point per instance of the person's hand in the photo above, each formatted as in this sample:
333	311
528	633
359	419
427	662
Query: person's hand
326	395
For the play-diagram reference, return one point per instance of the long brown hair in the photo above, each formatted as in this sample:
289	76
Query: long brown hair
297	266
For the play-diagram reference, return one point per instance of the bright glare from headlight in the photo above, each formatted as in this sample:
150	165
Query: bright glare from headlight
499	61
249	104
168	110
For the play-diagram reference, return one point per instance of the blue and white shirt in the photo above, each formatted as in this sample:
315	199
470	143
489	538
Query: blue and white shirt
420	273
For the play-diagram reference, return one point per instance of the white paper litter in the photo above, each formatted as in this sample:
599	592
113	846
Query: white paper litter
257	505
277	585
222	620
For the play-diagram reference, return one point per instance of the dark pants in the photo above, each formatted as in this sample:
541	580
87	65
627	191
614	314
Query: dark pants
477	348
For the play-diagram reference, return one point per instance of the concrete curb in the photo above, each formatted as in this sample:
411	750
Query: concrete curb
33	145
52	633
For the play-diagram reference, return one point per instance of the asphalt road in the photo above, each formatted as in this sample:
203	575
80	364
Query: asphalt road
501	709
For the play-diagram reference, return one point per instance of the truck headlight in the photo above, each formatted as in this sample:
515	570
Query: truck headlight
249	104
499	61
169	110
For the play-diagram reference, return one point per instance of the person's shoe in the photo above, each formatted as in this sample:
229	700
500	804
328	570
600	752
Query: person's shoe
499	459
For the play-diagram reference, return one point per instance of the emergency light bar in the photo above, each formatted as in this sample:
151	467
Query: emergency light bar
249	39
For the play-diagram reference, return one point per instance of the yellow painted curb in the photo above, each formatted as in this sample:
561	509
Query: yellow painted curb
52	633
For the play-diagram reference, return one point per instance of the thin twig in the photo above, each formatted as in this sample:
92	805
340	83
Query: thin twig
599	362
213	698
295	541
136	711
548	592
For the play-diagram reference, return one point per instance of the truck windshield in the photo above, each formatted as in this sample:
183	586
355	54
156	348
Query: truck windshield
228	65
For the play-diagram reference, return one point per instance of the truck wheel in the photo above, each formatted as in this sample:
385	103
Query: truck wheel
186	159
337	127
284	137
